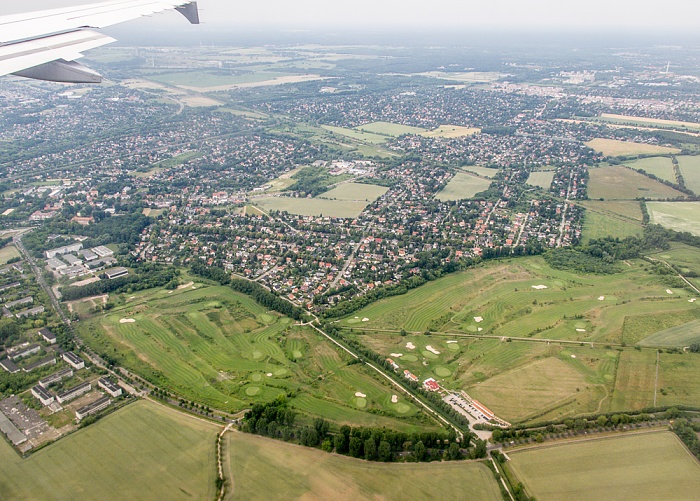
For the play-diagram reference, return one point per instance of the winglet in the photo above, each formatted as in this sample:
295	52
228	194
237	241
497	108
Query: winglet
190	12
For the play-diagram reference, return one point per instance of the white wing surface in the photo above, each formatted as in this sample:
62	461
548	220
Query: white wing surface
45	44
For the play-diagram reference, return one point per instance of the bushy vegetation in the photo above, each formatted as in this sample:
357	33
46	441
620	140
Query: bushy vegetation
148	276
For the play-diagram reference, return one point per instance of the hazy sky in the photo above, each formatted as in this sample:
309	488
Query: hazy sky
522	14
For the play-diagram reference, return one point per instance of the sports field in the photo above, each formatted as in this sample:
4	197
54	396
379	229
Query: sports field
514	378
355	192
615	182
267	469
451	131
220	348
541	179
143	451
8	252
463	185
690	169
312	206
661	167
615	148
611	219
389	129
679	216
647	466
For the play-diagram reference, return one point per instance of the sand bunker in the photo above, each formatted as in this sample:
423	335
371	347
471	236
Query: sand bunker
478	319
394	399
580	330
539	287
269	374
410	346
692	300
480	329
127	321
365	319
360	395
601	298
669	291
452	342
573	356
432	350
396	355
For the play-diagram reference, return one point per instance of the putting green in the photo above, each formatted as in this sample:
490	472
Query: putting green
581	325
266	318
251	391
409	358
472	328
297	354
453	347
280	372
402	408
429	355
353	320
361	402
558	283
256	377
257	354
443	372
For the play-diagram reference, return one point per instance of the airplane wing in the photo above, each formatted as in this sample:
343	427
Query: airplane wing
45	44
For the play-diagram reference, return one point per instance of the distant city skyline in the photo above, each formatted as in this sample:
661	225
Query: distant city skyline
517	14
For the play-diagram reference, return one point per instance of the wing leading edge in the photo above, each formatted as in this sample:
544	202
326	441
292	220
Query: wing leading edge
44	45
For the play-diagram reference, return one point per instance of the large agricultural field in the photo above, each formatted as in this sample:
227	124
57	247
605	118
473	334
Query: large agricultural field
463	185
611	219
357	134
471	314
541	179
679	216
389	129
318	206
615	148
644	467
661	167
266	469
615	182
220	348
355	192
143	451
690	169
451	131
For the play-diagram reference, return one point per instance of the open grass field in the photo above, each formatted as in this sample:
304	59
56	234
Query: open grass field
283	182
656	122
618	219
679	379
8	252
615	148
615	182
661	167
675	337
463	185
679	216
389	129
464	77
268	469
205	79
451	131
541	179
498	300
355	192
642	467
480	171
634	384
312	206
143	451
217	347
358	134
687	258
690	169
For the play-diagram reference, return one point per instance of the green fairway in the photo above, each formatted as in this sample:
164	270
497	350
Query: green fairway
615	182
541	179
642	467
355	192
220	348
661	167
690	169
267	469
463	185
143	451
679	216
389	129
